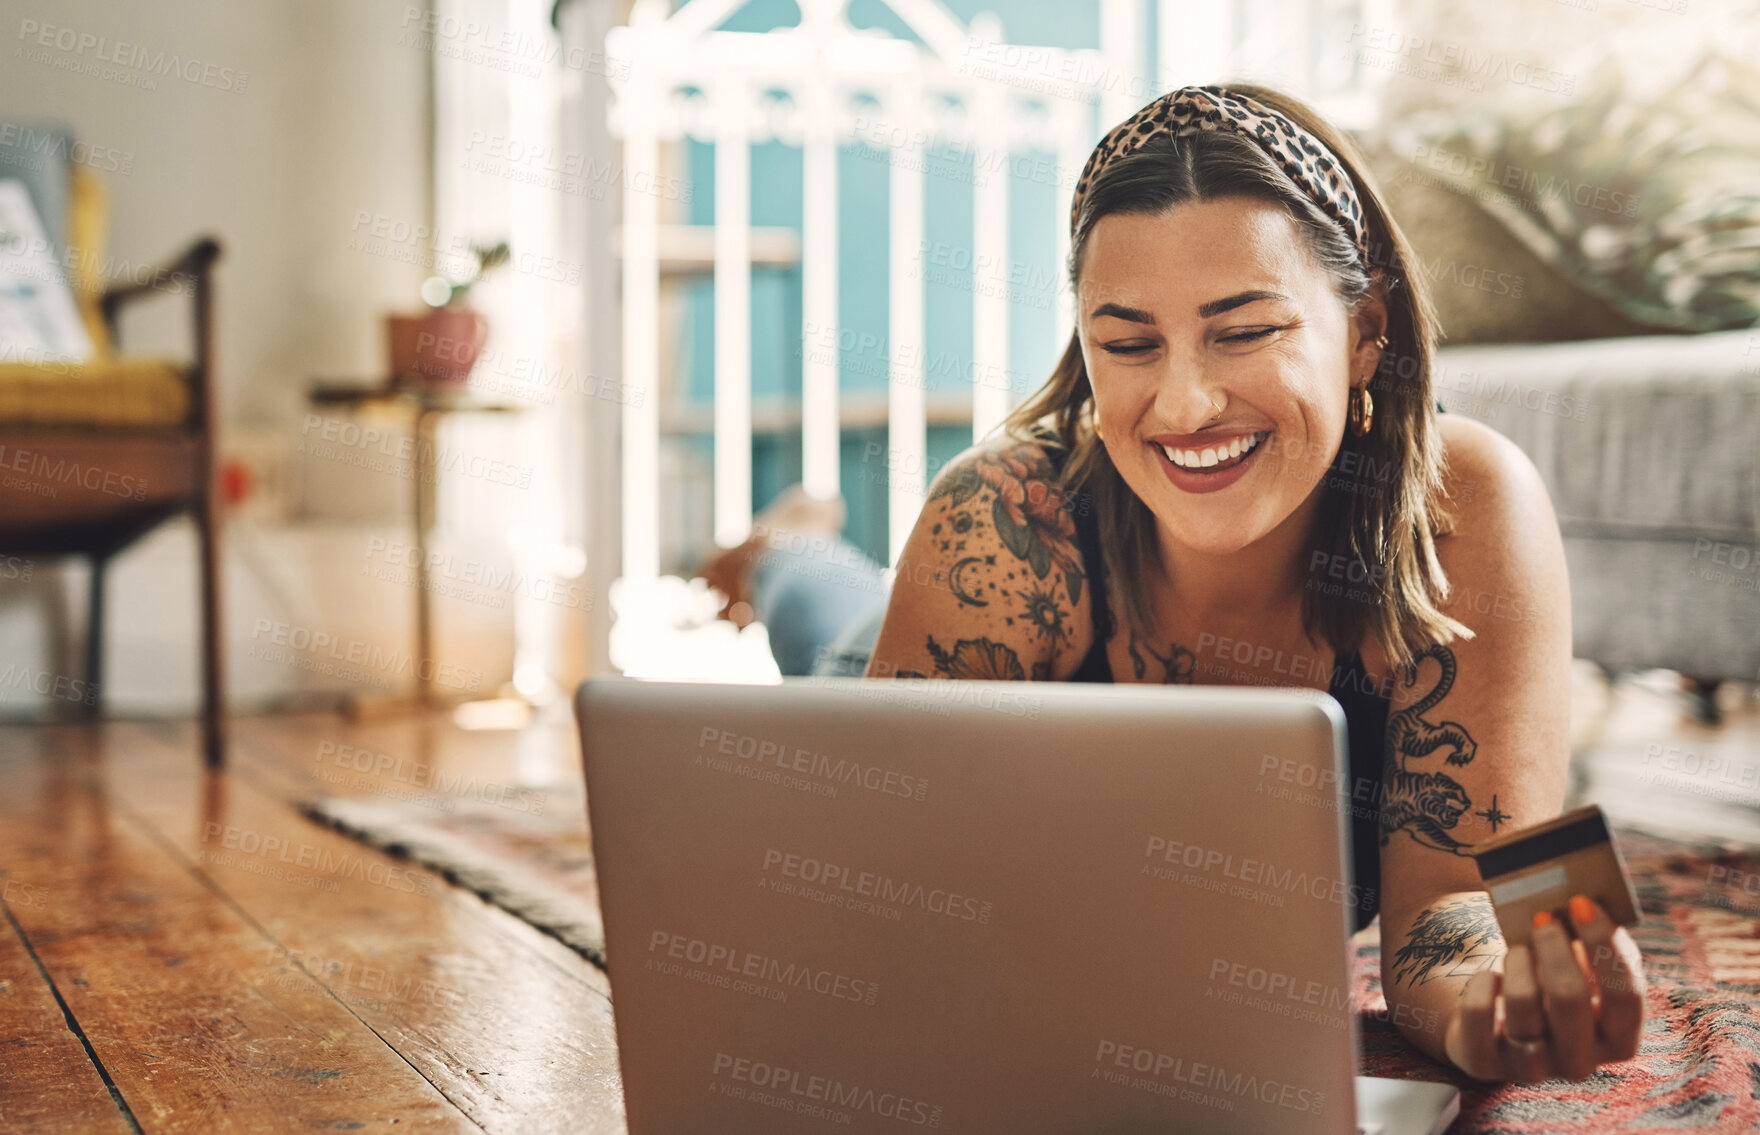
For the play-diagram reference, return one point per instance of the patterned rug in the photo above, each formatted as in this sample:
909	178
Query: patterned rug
1699	1064
536	866
1698	1067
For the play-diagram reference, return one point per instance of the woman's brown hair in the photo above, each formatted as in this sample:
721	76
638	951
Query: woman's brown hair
1381	505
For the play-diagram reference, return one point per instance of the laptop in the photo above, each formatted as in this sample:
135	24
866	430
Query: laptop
843	904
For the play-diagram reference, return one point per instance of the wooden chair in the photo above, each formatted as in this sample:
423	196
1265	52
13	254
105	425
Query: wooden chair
95	455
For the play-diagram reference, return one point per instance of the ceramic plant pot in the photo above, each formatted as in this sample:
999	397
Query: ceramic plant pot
436	348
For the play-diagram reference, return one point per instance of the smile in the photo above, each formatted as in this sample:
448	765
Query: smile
1216	458
1211	468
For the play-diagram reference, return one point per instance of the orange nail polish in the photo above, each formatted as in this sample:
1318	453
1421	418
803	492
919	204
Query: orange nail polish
1582	910
1542	918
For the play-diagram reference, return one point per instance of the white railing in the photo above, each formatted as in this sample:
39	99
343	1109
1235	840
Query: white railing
799	85
824	84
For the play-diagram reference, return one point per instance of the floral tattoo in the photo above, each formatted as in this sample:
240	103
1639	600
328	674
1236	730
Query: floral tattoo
977	660
1030	511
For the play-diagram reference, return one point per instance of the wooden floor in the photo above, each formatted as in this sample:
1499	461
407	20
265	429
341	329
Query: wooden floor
191	954
185	953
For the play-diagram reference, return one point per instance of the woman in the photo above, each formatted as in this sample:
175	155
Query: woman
1236	476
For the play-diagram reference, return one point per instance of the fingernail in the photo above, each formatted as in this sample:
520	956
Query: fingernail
1542	918
1582	910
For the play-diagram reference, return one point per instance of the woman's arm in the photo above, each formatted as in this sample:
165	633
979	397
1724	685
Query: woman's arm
990	584
1478	744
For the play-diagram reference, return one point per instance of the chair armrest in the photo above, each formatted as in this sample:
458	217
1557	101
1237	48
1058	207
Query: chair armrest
185	275
190	274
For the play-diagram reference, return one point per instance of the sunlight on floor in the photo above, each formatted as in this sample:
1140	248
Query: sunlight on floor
667	629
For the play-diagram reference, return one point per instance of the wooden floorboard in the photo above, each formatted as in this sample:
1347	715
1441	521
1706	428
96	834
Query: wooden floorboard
175	990
241	968
51	1084
513	1027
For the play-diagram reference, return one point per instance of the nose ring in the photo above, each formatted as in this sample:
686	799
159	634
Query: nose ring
1215	407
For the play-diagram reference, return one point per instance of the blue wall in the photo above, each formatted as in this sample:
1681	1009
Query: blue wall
863	222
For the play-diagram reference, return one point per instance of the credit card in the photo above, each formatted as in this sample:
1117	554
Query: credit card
1541	867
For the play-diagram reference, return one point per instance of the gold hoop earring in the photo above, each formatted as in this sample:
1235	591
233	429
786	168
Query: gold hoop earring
1362	412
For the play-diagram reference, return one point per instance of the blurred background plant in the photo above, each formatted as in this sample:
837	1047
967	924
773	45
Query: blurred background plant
443	291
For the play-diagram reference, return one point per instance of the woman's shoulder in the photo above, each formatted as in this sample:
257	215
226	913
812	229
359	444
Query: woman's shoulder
1036	455
1016	482
1499	548
992	581
1504	551
1487	479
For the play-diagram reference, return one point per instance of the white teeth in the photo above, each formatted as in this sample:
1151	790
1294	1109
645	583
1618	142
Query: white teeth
1205	458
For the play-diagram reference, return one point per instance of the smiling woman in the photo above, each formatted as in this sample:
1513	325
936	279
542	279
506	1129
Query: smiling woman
1240	450
1245	406
1304	287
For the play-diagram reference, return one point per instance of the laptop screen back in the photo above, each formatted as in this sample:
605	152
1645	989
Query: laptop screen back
838	904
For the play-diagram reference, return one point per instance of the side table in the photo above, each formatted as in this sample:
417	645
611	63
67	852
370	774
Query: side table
427	405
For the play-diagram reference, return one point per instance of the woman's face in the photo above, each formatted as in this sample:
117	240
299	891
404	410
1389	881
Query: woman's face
1218	304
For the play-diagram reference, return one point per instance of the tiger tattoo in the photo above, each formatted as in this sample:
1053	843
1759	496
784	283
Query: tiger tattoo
1427	805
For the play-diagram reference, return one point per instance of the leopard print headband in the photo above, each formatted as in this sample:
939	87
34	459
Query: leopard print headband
1191	109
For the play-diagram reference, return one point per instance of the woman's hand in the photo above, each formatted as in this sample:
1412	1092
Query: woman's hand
1566	1006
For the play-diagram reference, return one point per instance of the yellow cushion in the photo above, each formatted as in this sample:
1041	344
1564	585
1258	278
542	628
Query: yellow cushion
87	215
106	390
111	392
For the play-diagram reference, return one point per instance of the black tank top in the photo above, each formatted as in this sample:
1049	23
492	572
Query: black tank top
1365	713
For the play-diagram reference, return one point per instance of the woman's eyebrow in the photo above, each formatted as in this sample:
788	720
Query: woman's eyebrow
1205	311
1217	307
1134	314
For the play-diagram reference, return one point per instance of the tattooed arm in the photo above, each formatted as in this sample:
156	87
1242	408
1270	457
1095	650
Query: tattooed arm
1477	744
991	583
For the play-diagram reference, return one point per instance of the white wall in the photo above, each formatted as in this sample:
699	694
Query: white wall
332	121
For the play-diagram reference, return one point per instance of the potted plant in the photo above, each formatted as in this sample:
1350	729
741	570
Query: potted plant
440	346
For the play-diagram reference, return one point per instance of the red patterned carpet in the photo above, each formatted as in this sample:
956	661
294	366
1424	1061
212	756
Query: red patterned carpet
1699	1065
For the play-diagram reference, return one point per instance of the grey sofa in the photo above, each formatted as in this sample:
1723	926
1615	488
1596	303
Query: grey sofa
1650	448
1649	442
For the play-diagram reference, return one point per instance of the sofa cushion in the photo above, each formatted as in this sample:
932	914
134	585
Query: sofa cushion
114	392
1644	188
1645	436
1486	285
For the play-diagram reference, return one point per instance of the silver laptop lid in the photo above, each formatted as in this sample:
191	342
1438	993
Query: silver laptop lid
973	906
